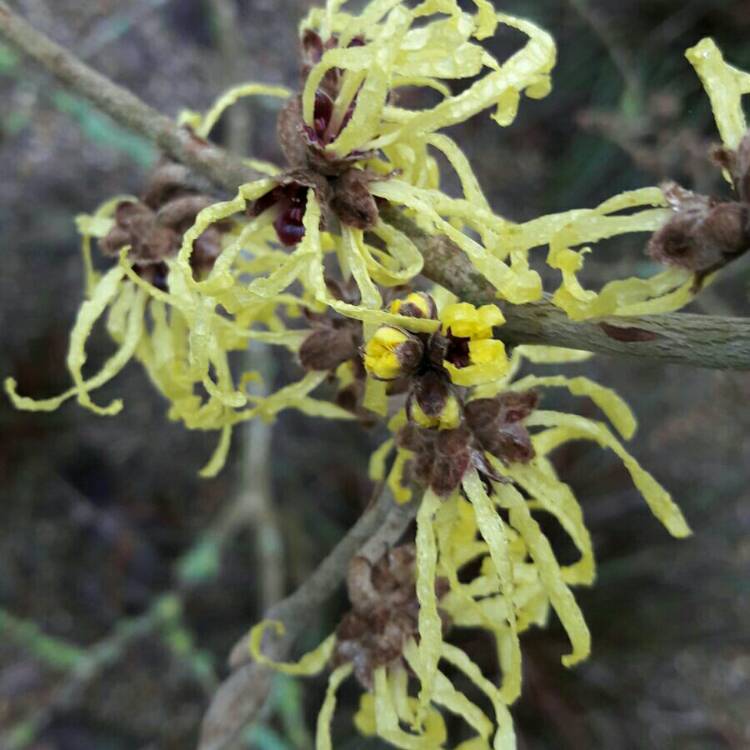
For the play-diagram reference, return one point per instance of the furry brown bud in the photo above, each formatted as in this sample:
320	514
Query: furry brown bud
703	234
289	133
327	348
352	201
384	614
136	225
497	424
737	163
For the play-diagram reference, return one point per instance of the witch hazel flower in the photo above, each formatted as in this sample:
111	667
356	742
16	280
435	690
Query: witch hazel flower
376	643
487	444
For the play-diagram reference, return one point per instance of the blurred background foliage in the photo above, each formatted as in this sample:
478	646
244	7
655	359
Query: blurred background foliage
120	591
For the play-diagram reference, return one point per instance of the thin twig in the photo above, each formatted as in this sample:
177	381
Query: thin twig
123	106
88	666
715	342
241	696
703	341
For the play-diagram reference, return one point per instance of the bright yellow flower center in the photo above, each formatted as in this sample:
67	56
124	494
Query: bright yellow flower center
418	300
487	362
381	358
466	321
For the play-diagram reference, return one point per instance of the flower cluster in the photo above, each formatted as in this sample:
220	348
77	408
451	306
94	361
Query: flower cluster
307	258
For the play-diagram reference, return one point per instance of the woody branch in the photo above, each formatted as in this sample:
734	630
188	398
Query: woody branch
698	340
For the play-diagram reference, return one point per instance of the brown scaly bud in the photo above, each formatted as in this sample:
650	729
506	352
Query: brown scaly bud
137	225
384	614
289	133
170	180
737	163
329	347
352	201
497	425
415	305
703	235
441	458
179	212
153	227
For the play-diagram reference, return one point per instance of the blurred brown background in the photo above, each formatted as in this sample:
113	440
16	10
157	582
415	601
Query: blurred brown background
99	518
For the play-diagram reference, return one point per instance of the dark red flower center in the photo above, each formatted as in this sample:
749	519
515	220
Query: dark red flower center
458	351
323	130
291	201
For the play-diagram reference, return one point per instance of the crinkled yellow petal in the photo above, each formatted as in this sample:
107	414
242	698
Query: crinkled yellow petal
264	167
441	50
376	396
456	529
488	362
477	743
505	738
562	599
420	82
296	396
462	167
492	529
446	695
133	308
430	625
682	293
617	411
232	96
316	280
219	458
527	67
408	258
457	703
375	318
387	723
663	292
555	497
725	87
402	493
89	312
551	355
364	718
205	218
514	287
634	296
376	469
310	664
323	727
355	254
365	121
486	19
454	550
221	277
574	427
313	407
363	24
399	682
